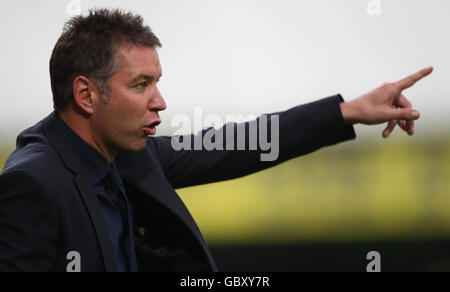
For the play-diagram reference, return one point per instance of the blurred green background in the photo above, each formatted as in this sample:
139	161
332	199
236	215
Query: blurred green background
333	207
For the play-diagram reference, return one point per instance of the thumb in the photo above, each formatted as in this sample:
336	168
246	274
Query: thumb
403	114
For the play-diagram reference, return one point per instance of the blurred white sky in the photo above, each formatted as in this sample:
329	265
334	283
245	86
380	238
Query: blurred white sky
245	56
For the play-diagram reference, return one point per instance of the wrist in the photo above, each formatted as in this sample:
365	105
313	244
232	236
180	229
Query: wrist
349	113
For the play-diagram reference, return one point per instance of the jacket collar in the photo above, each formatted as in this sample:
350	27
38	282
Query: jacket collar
93	162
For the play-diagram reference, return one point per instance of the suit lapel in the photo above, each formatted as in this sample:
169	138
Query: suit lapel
153	184
68	155
90	200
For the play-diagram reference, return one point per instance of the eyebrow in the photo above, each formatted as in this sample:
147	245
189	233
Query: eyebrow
146	77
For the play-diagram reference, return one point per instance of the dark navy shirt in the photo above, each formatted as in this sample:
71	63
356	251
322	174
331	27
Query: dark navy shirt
111	195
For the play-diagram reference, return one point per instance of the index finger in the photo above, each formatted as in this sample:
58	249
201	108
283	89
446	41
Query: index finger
411	80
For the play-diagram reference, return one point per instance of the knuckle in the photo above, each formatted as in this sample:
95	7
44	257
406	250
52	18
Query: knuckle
391	87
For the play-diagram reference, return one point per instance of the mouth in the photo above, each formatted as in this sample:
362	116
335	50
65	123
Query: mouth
150	129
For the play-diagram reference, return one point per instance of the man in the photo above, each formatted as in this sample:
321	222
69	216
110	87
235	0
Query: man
90	189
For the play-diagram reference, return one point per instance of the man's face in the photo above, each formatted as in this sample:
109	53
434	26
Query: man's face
131	115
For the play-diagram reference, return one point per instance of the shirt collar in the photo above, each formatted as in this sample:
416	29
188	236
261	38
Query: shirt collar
95	164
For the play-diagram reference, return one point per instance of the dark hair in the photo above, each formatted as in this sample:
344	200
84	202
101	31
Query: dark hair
88	46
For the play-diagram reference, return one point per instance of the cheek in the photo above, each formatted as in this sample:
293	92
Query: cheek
128	107
126	111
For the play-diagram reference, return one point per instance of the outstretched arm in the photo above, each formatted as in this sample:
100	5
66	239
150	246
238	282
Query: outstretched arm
386	104
301	130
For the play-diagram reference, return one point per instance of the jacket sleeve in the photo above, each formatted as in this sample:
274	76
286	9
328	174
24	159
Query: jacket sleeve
28	225
302	130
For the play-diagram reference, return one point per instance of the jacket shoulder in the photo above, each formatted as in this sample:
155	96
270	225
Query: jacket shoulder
34	156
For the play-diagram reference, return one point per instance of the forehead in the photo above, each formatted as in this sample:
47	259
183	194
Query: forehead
136	60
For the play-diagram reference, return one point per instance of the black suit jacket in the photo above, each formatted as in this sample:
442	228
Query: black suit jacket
48	208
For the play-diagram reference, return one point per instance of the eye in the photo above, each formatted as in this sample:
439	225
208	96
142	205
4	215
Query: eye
141	85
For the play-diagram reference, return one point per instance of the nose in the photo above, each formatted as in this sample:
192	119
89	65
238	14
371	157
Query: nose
157	102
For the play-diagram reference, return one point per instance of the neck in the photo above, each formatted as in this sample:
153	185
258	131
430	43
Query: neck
82	127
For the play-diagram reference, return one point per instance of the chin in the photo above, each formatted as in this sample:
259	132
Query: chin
139	146
133	145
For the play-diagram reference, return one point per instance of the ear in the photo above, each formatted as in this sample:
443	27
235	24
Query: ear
86	95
